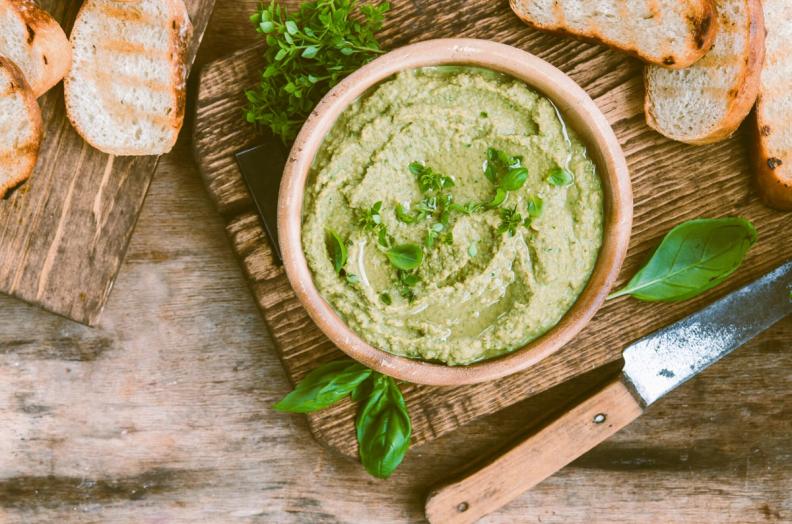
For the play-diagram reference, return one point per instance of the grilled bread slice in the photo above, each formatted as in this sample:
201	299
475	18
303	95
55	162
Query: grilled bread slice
20	127
672	33
33	40
774	109
706	102
125	93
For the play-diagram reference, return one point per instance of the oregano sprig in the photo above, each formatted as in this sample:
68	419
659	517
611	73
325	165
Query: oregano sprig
308	51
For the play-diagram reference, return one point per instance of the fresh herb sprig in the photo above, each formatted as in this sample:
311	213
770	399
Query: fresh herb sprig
510	221
382	426
308	52
506	172
694	256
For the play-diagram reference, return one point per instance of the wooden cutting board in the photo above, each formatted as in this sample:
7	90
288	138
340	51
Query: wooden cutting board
672	182
63	234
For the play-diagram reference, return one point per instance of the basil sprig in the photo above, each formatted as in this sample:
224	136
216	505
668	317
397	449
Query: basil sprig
383	425
694	257
506	172
510	221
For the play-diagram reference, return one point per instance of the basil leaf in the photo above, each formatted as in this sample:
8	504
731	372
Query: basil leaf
405	256
383	428
500	196
693	257
402	215
559	176
324	386
338	250
535	206
514	179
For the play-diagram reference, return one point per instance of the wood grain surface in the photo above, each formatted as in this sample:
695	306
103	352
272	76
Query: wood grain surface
63	234
672	182
162	413
566	438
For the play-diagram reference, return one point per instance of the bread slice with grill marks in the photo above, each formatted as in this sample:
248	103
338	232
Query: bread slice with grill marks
706	102
35	42
125	93
20	127
673	33
774	109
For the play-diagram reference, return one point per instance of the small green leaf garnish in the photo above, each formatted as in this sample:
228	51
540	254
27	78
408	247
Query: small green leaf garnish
514	179
407	281
558	176
483	114
405	256
383	238
535	206
402	215
337	249
370	219
352	278
510	221
386	299
468	208
498	199
429	180
694	257
506	172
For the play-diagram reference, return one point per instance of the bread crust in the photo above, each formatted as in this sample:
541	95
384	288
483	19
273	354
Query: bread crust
31	150
181	35
704	30
742	99
773	176
48	42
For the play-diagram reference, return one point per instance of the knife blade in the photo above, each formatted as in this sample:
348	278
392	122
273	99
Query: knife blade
660	362
654	365
262	166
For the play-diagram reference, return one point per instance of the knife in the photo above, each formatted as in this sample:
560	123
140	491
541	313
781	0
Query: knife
653	366
262	166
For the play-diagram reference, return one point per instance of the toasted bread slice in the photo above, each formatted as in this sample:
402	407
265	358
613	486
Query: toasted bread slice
125	93
672	33
706	102
774	109
35	42
20	127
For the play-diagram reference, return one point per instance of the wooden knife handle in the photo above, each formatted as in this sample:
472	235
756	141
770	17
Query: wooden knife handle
536	458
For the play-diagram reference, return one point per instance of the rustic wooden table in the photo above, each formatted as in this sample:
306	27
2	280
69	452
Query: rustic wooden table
162	413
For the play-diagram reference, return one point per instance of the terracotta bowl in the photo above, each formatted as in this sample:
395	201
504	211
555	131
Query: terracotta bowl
578	110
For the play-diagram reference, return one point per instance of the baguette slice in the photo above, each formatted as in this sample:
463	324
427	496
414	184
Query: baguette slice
33	40
774	109
125	93
671	33
21	129
706	102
